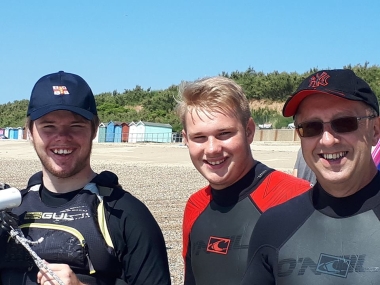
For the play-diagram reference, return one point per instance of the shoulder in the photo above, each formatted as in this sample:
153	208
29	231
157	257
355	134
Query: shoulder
285	218
121	199
200	199
196	204
281	180
277	188
277	225
129	216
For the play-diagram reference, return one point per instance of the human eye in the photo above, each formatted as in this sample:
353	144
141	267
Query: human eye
48	126
197	138
77	126
225	134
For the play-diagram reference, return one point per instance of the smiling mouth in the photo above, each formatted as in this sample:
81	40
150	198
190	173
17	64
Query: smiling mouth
333	156
62	151
215	162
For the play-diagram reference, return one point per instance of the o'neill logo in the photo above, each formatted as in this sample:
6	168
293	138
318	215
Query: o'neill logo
319	80
218	245
339	266
333	265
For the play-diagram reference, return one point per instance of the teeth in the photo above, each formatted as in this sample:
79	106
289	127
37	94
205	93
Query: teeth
216	162
332	156
62	151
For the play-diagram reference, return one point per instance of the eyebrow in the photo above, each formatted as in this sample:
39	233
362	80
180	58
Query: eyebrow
217	130
51	121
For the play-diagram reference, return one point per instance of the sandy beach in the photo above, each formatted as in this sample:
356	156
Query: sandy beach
161	175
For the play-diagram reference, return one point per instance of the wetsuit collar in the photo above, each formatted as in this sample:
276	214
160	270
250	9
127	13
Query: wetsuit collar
365	199
243	187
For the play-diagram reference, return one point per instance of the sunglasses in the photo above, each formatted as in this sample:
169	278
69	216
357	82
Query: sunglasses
339	125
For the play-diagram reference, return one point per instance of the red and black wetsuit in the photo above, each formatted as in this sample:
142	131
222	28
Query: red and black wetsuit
318	239
218	224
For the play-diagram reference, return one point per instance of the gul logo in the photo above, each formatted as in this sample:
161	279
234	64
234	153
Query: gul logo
57	216
33	215
319	80
333	265
218	245
60	90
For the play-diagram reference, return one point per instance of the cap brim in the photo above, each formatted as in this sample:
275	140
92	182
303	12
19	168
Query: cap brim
291	105
43	111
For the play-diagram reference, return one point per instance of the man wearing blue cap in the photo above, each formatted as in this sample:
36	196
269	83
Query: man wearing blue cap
330	234
85	227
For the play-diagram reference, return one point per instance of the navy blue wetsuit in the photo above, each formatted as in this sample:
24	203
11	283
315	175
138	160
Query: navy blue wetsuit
69	224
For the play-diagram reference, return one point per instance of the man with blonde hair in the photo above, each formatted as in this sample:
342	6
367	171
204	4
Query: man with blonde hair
218	130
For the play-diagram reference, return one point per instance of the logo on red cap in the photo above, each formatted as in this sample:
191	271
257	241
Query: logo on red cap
60	90
319	80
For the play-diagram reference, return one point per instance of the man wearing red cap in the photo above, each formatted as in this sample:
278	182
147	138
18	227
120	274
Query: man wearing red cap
330	234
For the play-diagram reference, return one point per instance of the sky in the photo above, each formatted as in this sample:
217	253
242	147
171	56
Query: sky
119	44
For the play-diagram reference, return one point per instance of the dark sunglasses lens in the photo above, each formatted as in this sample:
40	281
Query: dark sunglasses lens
311	129
345	125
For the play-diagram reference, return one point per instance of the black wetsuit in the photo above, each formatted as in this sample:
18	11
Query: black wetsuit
218	224
318	239
138	255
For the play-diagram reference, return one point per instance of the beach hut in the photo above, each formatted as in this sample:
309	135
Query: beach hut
6	132
117	132
20	133
110	132
101	135
149	132
157	132
136	132
13	133
24	134
124	132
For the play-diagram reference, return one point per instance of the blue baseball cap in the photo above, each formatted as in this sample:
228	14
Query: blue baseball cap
61	91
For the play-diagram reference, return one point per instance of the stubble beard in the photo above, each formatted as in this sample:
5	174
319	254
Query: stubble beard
82	163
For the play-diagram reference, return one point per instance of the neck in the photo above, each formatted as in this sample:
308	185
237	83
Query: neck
349	187
64	185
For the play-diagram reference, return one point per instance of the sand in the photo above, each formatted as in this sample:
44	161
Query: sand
161	175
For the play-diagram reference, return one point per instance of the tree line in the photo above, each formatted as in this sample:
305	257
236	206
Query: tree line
159	105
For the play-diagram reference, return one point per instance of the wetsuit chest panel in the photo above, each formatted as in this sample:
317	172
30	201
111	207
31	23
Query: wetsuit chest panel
326	250
218	233
70	235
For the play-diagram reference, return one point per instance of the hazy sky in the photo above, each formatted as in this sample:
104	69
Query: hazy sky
118	44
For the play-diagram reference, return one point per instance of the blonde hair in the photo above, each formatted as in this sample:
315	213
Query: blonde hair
212	94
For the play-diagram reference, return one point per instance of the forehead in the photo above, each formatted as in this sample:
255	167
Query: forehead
329	105
209	119
62	115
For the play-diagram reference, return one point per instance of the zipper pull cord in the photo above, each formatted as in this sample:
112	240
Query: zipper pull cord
19	237
90	265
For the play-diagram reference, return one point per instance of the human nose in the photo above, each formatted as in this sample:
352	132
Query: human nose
328	136
213	145
63	132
